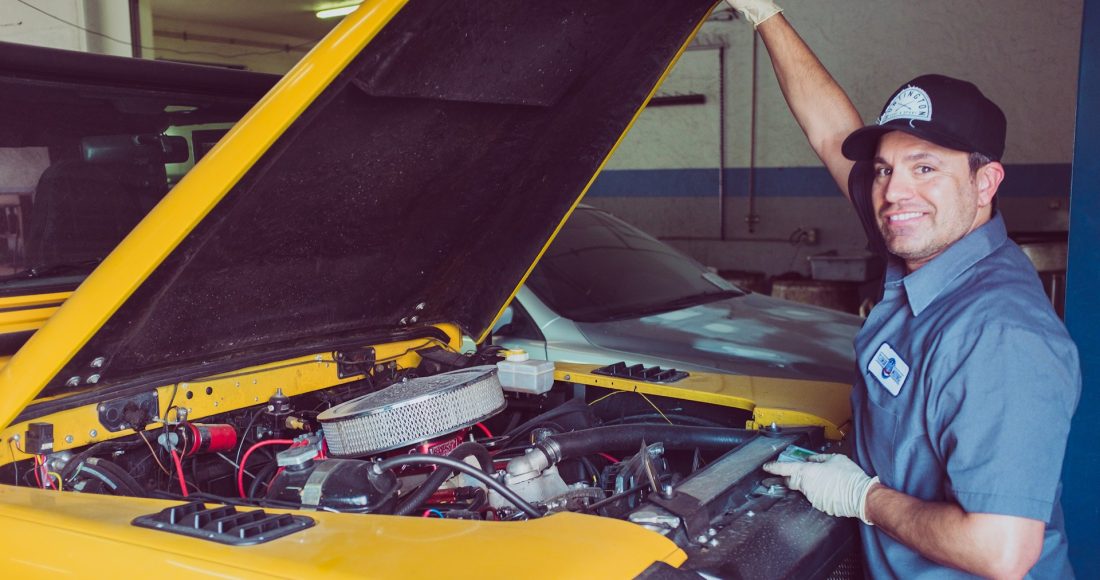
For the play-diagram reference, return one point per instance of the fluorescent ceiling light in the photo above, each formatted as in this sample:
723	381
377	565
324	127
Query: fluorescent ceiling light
336	12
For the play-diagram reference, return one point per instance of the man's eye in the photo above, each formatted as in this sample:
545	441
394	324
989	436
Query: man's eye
924	169
882	171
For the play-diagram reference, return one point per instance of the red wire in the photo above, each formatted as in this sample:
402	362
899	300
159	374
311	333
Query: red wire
37	477
244	460
608	457
179	471
484	430
46	474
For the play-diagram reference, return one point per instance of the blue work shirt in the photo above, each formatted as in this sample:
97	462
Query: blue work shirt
969	382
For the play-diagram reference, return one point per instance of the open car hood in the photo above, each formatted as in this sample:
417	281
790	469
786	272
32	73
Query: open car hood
408	172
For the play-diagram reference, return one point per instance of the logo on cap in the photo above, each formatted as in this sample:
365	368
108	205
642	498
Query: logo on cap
910	103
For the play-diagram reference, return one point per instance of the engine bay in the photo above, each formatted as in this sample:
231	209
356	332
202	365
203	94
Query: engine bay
445	439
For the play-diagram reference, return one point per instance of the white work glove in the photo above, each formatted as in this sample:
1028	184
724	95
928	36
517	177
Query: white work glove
756	11
833	483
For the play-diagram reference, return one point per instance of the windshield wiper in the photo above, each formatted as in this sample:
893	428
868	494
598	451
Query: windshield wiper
47	270
670	305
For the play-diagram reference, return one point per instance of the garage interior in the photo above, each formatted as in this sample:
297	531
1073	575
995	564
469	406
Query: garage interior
717	167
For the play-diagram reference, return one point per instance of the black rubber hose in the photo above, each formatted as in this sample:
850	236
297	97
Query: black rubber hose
120	474
436	479
630	437
261	478
466	468
76	460
113	476
570	406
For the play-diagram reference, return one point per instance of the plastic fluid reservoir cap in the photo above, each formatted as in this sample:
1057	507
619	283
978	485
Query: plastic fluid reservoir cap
517	355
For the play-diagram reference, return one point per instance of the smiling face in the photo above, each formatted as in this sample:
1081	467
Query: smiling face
926	198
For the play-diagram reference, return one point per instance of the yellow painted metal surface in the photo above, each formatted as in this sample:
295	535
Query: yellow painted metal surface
123	271
785	401
550	240
84	535
28	312
80	426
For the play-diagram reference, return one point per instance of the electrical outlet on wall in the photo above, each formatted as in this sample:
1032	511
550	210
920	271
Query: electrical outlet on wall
804	236
811	236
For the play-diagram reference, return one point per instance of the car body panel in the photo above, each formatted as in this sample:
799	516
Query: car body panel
753	334
27	313
780	401
340	546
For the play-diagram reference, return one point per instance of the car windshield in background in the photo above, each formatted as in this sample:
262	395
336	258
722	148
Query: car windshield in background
77	174
601	268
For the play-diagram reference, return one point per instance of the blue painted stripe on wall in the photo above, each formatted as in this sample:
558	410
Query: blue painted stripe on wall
1022	180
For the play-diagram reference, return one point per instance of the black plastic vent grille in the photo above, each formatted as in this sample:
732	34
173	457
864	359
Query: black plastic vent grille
641	373
224	524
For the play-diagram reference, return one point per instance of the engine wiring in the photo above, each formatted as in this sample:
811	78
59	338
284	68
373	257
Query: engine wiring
153	452
643	395
244	435
465	468
608	457
14	461
179	471
244	461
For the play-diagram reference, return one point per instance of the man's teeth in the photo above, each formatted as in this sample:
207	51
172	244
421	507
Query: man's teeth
905	216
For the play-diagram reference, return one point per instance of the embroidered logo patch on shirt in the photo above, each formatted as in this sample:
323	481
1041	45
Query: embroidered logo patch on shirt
888	369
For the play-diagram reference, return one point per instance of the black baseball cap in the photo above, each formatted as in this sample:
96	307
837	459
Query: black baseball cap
945	111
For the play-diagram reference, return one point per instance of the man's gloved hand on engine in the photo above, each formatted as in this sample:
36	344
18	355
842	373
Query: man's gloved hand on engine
756	11
833	483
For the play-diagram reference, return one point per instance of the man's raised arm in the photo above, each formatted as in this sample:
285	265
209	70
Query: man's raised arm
820	106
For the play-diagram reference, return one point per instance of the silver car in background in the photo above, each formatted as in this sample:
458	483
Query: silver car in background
606	292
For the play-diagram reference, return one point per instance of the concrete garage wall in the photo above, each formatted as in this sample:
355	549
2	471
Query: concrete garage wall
665	176
101	26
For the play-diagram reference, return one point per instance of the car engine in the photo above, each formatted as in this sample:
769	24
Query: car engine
446	440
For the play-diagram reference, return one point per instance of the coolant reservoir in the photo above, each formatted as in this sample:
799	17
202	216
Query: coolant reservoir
519	374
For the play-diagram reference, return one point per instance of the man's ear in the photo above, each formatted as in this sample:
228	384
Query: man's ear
988	179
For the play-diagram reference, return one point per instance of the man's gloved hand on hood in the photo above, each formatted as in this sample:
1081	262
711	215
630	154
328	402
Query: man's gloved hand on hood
833	483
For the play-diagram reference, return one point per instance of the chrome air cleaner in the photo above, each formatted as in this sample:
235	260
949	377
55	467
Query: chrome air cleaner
411	412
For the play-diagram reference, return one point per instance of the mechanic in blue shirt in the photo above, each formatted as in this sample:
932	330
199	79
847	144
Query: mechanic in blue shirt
969	379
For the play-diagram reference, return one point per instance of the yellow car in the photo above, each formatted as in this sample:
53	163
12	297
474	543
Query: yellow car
231	348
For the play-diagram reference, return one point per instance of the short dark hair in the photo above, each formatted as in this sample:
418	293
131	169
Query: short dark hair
977	161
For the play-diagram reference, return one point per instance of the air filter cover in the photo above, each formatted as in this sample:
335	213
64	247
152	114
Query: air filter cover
412	411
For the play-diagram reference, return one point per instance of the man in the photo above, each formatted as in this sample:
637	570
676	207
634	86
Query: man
969	379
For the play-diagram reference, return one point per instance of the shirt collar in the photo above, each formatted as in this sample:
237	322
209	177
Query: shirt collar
923	286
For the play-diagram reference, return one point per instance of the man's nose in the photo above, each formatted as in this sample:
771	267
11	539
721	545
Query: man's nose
897	188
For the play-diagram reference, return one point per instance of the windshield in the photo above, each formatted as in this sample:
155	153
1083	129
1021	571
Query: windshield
80	168
602	268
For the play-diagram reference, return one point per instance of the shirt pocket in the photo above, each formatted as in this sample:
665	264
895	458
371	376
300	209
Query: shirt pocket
881	440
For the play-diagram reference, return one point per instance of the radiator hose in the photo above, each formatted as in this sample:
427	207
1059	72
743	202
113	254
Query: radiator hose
556	448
